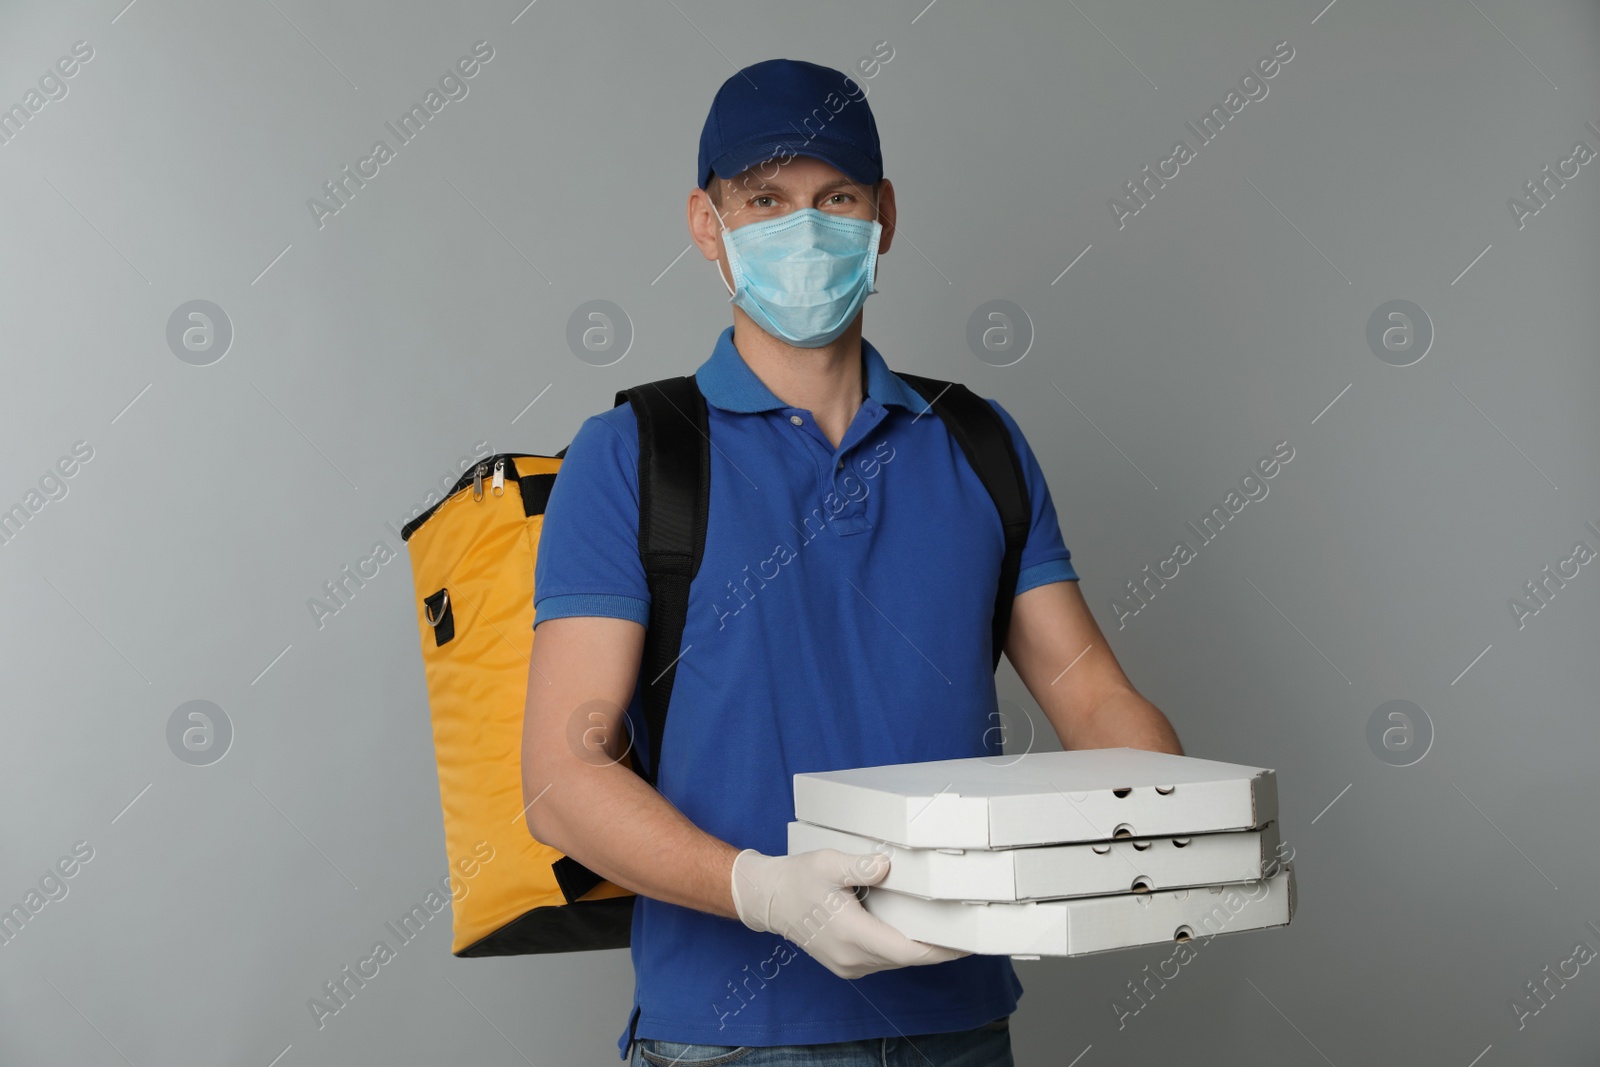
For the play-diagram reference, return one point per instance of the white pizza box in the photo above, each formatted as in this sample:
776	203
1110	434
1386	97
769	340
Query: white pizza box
1045	872
1088	924
1038	798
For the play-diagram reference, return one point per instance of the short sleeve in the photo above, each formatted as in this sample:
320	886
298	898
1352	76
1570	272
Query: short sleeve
588	561
1045	557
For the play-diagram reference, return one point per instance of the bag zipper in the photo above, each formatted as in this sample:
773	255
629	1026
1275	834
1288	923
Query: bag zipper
497	463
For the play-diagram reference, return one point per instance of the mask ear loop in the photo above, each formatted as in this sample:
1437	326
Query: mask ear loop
726	248
876	212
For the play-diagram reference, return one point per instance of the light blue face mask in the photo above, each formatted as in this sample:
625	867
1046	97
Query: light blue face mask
803	276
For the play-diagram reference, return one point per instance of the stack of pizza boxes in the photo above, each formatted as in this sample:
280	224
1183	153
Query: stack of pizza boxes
1058	853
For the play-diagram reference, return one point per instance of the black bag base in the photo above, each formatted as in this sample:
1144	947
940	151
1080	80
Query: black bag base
575	927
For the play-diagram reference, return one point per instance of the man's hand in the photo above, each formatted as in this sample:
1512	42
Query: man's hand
803	897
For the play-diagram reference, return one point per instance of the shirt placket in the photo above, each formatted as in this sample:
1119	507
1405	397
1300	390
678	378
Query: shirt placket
851	514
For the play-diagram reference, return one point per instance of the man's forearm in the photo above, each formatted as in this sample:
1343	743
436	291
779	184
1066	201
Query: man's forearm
1124	720
610	820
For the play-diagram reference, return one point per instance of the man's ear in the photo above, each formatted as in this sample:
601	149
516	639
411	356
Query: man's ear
705	230
886	214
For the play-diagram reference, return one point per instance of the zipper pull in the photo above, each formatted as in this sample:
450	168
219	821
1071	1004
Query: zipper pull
500	476
477	481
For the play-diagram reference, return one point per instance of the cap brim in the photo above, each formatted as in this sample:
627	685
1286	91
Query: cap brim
849	160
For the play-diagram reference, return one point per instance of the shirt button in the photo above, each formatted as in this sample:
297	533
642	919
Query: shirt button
840	467
796	419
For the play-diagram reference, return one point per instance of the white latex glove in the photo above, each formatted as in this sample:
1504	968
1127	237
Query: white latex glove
807	898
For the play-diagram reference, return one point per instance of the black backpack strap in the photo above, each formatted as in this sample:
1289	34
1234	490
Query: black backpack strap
983	436
674	498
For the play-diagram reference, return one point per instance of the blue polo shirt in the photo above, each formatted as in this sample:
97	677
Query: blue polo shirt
840	618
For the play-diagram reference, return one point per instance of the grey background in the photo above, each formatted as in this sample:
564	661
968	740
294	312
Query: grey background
370	354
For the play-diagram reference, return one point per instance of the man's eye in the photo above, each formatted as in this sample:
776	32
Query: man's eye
757	200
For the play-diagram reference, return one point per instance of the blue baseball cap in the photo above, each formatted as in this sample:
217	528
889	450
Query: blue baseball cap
788	107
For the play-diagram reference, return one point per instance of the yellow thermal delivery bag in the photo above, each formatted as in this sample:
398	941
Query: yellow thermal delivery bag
472	564
473	556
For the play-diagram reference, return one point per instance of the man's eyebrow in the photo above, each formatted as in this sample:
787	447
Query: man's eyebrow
762	185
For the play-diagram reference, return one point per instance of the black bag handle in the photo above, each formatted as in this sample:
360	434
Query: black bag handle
983	437
674	498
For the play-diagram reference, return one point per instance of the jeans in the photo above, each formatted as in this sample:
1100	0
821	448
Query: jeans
988	1045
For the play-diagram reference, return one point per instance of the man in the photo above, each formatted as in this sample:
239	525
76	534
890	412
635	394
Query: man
840	617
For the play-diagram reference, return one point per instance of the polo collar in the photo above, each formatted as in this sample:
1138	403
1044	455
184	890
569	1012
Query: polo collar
727	382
